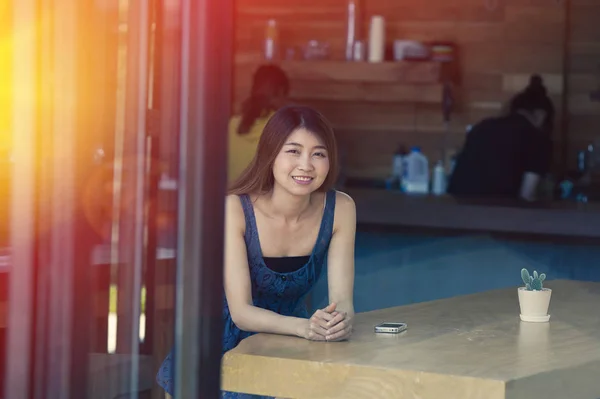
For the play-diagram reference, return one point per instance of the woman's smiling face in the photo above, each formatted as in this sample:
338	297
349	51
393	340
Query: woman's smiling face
302	163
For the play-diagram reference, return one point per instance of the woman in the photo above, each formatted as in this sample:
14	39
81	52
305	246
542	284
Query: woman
507	156
270	87
283	220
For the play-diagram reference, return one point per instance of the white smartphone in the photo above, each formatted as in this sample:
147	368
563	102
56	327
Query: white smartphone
391	328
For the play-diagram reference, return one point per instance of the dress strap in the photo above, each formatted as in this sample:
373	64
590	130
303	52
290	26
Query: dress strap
251	232
326	232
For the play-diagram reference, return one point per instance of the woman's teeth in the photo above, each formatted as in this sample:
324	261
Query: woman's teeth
302	179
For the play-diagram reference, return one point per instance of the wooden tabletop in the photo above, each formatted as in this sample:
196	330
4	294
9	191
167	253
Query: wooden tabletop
467	347
557	218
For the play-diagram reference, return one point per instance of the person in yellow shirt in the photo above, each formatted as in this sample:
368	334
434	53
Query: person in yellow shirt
270	88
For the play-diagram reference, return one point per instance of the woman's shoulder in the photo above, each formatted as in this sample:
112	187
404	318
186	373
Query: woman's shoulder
343	199
233	203
344	206
234	211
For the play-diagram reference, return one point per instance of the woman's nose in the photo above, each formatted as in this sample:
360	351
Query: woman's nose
306	163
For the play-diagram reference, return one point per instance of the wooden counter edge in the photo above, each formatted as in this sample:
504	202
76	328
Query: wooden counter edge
292	378
394	209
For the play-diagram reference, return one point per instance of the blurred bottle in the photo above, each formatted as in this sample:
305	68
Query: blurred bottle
271	40
352	28
398	162
415	172
438	186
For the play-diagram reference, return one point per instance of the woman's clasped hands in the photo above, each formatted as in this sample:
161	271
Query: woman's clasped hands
328	324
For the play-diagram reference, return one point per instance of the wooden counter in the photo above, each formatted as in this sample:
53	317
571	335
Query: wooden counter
468	347
393	208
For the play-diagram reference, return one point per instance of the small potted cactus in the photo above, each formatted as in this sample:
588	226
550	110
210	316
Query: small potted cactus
534	299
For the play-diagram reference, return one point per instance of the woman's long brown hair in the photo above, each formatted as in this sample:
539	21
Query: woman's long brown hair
258	178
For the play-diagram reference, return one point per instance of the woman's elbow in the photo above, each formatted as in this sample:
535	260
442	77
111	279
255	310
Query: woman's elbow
239	317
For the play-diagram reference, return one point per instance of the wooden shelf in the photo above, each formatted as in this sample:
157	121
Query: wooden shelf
407	72
385	82
408	82
366	92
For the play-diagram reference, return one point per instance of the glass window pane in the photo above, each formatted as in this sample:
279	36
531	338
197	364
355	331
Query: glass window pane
99	96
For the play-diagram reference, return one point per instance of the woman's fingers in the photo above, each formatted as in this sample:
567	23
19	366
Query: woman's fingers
322	318
316	333
340	335
337	319
342	325
330	308
324	315
320	322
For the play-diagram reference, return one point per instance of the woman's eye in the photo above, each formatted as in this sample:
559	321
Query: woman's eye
320	154
293	152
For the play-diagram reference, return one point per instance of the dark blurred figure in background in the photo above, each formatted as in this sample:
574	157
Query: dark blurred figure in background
270	88
507	156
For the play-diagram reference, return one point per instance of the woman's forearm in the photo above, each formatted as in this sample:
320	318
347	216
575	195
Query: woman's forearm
254	319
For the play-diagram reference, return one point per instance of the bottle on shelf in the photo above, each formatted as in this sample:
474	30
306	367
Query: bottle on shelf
438	186
398	162
352	27
271	40
415	178
395	178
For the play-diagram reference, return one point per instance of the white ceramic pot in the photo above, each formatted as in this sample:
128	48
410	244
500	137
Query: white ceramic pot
534	304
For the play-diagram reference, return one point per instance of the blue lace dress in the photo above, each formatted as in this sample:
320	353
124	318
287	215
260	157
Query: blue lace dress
283	293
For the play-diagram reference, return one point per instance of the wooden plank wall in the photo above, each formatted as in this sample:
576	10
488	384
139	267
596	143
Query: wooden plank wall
584	76
499	49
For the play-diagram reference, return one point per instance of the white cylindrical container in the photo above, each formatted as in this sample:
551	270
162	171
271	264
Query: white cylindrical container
351	30
438	186
377	39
